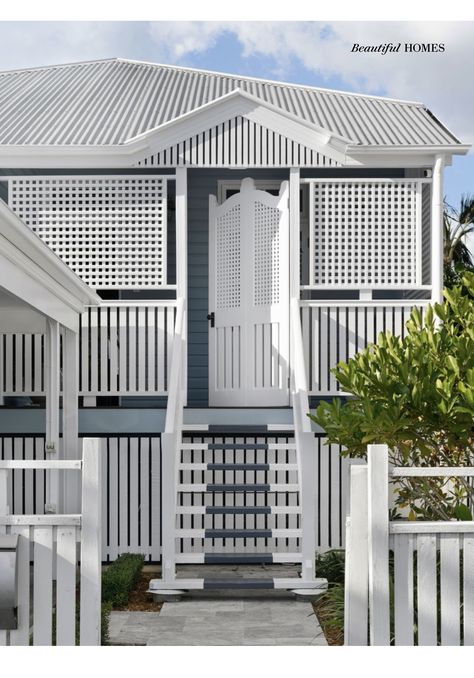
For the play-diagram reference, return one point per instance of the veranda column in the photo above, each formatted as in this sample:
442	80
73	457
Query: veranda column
294	241
182	256
437	231
71	417
52	411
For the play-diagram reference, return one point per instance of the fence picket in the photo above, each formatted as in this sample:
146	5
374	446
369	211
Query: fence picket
468	589
426	589
43	585
450	590
66	586
403	589
21	635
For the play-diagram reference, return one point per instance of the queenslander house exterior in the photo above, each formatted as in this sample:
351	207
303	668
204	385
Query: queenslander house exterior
235	238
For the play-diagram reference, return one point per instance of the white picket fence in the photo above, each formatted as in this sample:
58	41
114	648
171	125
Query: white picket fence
427	596
50	548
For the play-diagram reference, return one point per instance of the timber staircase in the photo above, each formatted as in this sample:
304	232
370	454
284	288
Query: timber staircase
236	494
238	502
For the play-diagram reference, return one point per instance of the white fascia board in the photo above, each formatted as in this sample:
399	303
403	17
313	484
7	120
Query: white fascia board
450	149
19	278
18	238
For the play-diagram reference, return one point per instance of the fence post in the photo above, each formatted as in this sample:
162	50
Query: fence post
91	544
4	510
356	598
168	506
378	541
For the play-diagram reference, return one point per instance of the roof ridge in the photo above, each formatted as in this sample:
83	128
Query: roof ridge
236	76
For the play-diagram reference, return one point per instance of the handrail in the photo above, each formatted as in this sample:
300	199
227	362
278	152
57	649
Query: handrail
175	402
170	440
299	381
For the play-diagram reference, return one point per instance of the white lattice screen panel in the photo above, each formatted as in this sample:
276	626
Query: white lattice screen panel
365	232
228	257
110	230
267	255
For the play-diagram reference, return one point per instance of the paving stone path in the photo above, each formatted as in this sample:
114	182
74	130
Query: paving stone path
220	621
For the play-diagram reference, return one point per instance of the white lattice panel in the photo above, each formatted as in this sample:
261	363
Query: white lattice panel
365	232
267	255
228	258
110	230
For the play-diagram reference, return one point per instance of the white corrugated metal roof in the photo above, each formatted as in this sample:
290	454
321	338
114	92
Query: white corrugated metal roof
110	101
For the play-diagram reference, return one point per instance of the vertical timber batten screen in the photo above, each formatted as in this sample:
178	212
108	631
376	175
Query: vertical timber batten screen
365	232
337	330
111	230
124	349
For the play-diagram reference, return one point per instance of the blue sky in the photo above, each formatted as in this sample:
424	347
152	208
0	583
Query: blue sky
313	53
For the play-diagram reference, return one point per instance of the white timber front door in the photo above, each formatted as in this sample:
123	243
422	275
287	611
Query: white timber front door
249	298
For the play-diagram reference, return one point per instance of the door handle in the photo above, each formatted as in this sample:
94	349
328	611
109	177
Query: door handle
212	318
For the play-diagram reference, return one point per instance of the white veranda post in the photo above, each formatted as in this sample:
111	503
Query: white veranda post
437	231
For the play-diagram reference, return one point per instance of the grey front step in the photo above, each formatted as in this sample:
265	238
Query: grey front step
238	558
238	534
237	446
239	584
238	467
238	510
229	487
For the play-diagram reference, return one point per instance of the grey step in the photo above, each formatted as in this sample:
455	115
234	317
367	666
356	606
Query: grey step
238	510
238	467
239	584
238	487
237	446
238	558
237	534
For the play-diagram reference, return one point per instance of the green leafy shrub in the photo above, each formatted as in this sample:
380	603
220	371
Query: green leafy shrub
120	578
417	395
330	612
330	566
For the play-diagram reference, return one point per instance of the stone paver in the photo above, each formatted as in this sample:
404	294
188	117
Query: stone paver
224	617
211	621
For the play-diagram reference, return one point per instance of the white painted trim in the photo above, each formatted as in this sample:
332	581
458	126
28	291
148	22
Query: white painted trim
371	303
431	527
41	464
433	472
367	180
41	520
371	286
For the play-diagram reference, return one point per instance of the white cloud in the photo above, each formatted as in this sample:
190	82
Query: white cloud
443	81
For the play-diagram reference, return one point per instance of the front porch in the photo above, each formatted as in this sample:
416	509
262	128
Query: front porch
188	483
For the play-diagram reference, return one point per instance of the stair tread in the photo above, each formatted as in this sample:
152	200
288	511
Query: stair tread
236	583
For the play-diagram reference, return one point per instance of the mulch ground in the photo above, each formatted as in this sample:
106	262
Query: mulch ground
140	600
334	636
